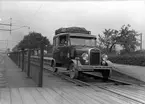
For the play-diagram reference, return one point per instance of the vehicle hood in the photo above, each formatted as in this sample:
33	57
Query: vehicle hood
84	48
79	50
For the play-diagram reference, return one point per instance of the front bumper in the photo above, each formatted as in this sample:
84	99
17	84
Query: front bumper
89	68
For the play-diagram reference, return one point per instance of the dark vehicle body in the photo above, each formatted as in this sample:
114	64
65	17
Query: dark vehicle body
78	53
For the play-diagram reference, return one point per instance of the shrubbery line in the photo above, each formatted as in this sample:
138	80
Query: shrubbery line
138	60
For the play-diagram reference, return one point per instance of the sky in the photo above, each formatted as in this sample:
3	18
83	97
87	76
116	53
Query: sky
47	16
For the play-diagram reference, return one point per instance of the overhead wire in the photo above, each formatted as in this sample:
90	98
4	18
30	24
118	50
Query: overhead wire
20	28
31	20
3	25
2	21
9	40
9	34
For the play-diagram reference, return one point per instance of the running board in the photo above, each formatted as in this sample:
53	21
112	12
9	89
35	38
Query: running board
61	69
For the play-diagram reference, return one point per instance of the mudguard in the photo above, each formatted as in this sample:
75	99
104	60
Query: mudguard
76	63
109	64
52	61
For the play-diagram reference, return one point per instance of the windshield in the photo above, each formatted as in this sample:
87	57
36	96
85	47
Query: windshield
82	41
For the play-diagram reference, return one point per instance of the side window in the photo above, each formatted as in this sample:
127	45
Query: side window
56	41
63	41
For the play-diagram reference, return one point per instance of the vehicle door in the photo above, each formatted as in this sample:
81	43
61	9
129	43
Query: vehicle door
56	51
63	48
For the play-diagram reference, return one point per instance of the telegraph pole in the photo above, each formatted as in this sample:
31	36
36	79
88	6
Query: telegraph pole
10	29
7	29
10	25
4	24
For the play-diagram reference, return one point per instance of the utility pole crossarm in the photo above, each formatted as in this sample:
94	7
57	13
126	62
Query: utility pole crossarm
5	24
5	29
10	25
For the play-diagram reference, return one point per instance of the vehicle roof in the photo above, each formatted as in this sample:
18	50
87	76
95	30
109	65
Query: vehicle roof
76	34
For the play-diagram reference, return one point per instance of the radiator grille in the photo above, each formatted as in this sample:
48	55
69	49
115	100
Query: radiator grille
94	58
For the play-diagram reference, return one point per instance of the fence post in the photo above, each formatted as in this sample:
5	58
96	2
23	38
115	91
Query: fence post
18	58
22	60
29	54
41	64
15	57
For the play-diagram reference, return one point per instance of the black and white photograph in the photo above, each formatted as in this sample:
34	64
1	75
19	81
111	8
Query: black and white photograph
72	51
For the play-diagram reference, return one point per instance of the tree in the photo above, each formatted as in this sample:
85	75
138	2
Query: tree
32	41
108	39
127	38
49	48
46	43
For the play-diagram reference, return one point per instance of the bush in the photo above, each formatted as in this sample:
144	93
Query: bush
138	59
139	52
123	52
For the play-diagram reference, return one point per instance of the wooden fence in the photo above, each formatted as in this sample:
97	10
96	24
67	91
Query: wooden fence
32	66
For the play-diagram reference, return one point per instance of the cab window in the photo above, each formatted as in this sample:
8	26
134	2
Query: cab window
56	42
63	41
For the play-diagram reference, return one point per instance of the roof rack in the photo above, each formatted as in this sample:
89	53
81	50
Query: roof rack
72	30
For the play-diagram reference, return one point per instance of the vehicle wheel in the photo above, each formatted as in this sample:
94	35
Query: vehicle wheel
73	72
105	74
54	69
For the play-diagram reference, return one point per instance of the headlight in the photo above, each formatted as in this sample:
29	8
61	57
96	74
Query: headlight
85	57
104	57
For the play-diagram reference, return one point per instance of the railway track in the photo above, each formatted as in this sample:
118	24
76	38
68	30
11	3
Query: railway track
114	80
102	85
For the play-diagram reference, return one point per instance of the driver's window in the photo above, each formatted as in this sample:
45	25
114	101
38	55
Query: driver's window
56	42
63	41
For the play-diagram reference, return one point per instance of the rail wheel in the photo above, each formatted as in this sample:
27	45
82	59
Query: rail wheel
54	69
105	74
73	71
